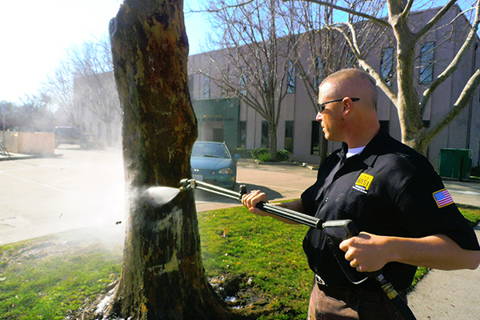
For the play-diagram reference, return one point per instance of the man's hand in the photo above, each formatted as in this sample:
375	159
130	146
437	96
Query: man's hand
251	199
366	252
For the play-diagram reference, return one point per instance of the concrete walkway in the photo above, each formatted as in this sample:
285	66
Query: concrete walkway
447	295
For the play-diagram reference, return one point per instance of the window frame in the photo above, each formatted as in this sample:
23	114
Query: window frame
426	63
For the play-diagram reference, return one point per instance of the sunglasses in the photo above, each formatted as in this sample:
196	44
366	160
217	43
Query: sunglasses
321	106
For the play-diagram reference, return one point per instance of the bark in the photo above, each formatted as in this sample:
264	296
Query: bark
162	276
272	137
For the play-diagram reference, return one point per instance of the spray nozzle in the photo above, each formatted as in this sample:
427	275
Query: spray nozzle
187	184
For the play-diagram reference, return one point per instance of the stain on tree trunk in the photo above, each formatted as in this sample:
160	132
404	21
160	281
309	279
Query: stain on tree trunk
163	275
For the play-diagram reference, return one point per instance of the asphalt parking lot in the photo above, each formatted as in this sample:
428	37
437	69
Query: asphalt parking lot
85	188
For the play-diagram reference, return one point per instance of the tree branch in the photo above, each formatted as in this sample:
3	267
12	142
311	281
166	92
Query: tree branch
363	63
434	20
351	11
225	7
458	106
454	63
407	8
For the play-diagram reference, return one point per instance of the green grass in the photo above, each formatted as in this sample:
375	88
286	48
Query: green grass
267	251
472	214
41	285
46	278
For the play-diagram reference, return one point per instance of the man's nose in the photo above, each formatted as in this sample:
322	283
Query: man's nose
318	117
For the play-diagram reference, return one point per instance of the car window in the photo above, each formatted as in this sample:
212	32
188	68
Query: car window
212	150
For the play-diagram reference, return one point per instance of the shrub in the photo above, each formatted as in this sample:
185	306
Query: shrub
257	152
283	155
263	154
266	157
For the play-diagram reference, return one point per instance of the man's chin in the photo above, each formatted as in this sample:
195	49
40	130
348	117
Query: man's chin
329	137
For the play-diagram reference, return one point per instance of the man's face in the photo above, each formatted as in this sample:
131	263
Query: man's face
331	118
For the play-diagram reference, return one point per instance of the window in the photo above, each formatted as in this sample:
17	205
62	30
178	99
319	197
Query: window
289	135
242	134
264	141
315	140
291	77
243	83
425	73
266	76
319	72
225	90
386	65
385	126
206	87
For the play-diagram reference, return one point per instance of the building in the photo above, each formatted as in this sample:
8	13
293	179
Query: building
299	133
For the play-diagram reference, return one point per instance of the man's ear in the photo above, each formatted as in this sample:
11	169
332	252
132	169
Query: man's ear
347	106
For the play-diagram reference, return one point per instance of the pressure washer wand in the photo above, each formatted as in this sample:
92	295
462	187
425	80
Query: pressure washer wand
278	211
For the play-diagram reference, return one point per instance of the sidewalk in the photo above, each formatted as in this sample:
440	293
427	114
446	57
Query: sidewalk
446	295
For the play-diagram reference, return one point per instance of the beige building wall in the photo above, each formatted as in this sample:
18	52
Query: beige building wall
39	143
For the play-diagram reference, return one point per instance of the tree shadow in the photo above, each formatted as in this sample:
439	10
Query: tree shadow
201	195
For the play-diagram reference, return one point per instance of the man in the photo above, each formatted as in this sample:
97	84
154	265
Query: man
392	194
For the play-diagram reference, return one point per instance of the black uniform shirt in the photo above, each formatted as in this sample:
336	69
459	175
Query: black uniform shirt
388	189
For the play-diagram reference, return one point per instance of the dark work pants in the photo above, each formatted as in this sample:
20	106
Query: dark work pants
349	303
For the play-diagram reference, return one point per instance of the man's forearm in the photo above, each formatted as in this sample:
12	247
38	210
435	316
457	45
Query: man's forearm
436	251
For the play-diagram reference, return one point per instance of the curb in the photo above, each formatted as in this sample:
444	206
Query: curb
26	157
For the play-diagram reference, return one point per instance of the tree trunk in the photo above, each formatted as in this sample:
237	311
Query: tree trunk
272	139
162	275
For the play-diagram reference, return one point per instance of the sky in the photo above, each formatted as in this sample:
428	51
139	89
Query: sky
36	35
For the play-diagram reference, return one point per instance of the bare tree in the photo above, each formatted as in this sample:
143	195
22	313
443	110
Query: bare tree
257	63
409	103
94	86
83	85
59	88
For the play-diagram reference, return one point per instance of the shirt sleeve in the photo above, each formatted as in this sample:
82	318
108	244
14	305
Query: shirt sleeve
426	208
308	199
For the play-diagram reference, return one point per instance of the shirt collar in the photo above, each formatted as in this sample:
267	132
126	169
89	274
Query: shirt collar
371	151
373	148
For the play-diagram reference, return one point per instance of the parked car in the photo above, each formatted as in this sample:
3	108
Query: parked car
71	135
212	162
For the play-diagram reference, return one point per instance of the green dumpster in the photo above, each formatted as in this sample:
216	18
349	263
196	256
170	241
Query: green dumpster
455	163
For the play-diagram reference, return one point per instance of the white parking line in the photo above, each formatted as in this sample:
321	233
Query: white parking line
33	182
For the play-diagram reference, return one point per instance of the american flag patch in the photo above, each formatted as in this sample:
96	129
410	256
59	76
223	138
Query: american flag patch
442	198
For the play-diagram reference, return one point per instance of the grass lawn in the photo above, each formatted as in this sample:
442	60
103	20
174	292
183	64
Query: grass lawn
46	278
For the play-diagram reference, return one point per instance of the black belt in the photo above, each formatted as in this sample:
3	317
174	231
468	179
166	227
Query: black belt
363	287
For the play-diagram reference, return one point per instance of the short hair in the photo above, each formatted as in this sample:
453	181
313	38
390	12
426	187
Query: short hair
350	73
